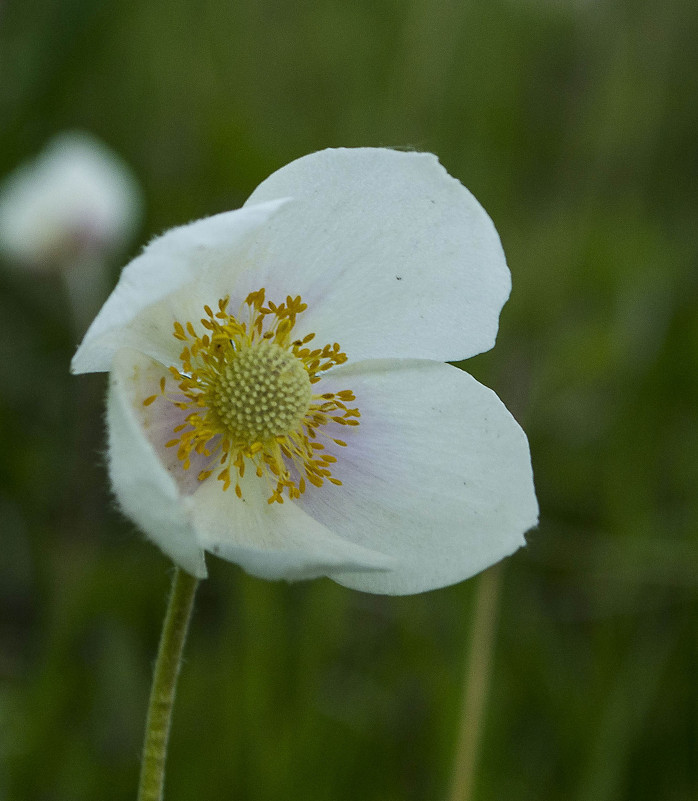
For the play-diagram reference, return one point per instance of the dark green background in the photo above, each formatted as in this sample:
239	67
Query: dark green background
575	123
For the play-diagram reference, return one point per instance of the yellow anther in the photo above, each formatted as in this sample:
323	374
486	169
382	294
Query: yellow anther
247	386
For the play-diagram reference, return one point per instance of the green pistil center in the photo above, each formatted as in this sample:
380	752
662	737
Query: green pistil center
263	392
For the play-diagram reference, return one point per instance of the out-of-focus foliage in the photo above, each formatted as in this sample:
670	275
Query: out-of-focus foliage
575	124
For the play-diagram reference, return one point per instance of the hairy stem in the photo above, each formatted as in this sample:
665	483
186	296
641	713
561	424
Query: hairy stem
169	659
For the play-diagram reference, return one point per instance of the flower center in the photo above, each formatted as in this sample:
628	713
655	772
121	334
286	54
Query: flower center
263	392
247	390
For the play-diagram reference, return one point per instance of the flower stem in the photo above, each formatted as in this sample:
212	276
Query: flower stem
476	685
169	659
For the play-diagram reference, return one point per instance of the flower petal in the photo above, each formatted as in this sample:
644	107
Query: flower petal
382	245
153	289
274	541
147	493
438	474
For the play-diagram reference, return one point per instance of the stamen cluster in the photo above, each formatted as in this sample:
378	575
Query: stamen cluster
247	388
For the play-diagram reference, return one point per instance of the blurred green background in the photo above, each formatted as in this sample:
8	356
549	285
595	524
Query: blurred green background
575	123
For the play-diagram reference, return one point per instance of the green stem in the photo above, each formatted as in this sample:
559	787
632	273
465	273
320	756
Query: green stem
162	693
476	685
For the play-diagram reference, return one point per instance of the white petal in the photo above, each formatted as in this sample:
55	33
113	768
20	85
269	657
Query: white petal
141	378
154	289
394	257
147	493
274	541
438	474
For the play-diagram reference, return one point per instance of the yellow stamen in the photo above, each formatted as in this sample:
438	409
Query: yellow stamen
247	386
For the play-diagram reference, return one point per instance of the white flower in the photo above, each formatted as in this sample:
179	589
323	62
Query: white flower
322	436
76	197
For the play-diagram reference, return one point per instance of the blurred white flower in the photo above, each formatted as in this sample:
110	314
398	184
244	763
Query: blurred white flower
76	199
278	394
